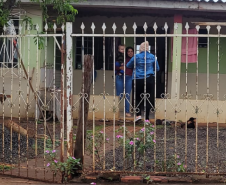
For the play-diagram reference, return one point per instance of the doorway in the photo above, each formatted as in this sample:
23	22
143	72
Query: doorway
160	53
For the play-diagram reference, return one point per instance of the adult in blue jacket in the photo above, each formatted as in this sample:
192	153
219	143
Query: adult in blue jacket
140	75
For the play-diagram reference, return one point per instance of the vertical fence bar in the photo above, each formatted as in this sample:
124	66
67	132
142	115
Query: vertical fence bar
145	89
45	101
165	92
69	71
124	94
11	104
104	92
62	93
208	98
93	110
218	92
176	95
186	96
114	94
83	100
54	90
134	95
3	102
28	88
196	108
36	105
20	93
154	105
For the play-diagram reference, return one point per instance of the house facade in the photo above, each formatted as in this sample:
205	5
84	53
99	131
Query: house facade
194	89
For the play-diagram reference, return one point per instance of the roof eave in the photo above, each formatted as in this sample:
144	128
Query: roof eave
164	4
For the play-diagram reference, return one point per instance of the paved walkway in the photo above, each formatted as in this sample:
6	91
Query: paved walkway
19	181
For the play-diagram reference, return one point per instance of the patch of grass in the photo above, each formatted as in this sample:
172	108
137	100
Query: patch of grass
159	126
6	168
38	147
39	122
49	144
97	128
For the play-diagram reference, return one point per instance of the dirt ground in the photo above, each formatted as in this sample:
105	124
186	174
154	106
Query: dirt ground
19	181
216	147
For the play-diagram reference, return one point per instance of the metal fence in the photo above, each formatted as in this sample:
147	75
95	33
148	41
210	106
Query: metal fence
39	105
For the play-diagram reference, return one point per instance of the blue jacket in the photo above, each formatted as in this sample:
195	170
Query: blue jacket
117	70
140	65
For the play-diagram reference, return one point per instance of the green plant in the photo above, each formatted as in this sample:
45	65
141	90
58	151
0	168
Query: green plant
49	144
37	39
99	127
66	168
74	137
50	25
40	41
28	22
4	14
171	165
99	138
66	12
142	141
6	168
148	179
160	126
110	178
38	147
39	122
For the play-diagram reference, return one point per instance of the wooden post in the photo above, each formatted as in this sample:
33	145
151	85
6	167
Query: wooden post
88	68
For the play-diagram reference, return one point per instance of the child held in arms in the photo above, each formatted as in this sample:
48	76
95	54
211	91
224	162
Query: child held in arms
120	59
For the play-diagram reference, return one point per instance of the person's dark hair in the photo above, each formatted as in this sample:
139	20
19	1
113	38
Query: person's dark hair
128	49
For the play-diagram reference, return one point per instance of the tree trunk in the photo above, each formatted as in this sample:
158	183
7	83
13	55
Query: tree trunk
87	81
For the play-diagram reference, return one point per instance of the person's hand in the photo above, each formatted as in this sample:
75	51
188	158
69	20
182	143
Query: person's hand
121	67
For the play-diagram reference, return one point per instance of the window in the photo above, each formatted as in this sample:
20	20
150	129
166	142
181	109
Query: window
98	52
8	54
87	50
203	40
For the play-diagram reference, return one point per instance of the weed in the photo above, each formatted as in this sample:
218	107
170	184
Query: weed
6	168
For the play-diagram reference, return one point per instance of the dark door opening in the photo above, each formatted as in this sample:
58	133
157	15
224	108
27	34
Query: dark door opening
160	53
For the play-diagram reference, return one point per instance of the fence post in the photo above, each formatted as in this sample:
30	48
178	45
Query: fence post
176	68
69	87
